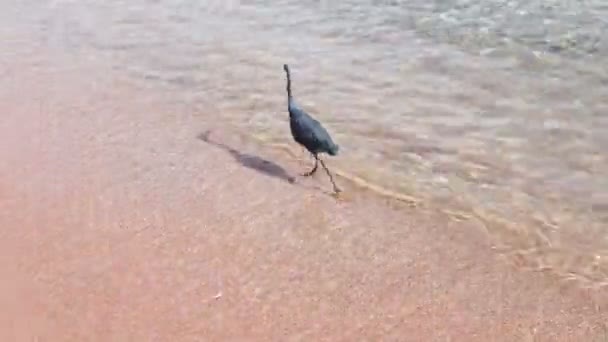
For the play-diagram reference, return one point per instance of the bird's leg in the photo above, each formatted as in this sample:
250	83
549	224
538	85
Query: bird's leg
331	178
314	169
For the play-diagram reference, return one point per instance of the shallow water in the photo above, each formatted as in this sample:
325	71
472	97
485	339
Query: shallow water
493	109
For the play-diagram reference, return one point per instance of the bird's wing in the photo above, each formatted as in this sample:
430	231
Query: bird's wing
319	137
320	132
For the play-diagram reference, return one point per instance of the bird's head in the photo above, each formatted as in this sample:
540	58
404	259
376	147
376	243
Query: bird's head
286	68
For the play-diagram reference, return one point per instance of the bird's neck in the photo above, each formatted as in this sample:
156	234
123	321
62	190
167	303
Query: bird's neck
289	97
291	105
290	101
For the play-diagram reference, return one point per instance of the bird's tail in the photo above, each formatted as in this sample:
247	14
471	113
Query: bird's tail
334	150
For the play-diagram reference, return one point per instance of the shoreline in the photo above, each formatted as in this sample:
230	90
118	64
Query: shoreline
120	223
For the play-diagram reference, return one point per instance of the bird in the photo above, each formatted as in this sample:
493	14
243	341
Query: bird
309	133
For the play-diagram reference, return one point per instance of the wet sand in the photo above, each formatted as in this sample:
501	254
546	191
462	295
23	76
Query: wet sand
119	223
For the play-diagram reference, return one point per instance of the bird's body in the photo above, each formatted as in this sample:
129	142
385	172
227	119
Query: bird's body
309	132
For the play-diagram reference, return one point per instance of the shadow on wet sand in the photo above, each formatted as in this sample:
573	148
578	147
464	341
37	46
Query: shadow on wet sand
251	161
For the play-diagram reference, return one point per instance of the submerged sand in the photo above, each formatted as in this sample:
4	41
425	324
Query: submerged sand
118	222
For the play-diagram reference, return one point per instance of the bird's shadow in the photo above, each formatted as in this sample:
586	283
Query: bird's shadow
251	161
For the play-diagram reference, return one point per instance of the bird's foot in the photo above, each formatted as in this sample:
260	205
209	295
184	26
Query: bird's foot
337	194
309	173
